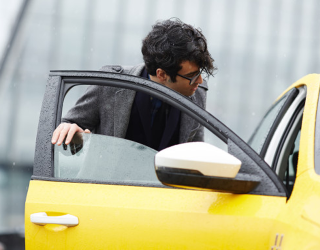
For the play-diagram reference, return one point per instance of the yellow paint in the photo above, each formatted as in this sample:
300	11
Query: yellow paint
124	217
55	227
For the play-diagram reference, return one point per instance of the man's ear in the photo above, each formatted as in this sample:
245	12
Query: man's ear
162	75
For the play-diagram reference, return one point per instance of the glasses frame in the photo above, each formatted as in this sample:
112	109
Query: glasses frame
193	79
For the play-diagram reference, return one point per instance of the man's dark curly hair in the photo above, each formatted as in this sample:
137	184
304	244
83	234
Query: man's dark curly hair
172	42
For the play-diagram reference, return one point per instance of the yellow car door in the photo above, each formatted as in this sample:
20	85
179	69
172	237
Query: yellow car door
102	192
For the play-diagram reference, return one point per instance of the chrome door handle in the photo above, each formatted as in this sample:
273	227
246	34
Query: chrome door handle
43	219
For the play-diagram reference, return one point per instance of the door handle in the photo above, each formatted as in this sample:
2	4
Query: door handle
43	219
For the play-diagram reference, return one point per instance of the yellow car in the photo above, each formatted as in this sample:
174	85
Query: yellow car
104	192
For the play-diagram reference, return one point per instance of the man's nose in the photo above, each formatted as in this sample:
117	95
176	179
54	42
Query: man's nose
199	80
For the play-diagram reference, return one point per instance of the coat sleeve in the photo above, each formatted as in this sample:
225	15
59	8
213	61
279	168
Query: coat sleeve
85	113
87	110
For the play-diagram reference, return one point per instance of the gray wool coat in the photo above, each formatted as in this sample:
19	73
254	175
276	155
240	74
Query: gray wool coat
106	110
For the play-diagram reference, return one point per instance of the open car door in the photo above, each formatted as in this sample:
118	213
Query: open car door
104	193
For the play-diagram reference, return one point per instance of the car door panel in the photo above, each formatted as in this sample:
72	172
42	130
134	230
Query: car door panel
122	217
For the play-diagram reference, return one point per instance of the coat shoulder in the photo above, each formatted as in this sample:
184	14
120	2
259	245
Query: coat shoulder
130	70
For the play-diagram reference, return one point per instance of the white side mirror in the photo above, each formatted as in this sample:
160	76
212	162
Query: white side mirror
195	157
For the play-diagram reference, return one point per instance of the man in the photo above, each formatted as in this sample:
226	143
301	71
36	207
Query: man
175	54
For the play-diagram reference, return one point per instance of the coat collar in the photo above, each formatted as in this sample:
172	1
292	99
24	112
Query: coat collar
123	103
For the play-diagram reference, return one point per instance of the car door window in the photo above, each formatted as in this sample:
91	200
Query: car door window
261	138
105	158
292	164
280	145
50	158
286	160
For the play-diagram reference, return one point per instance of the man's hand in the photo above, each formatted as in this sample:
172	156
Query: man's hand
66	130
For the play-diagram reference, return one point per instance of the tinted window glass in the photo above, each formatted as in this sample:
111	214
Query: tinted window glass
286	159
105	158
292	163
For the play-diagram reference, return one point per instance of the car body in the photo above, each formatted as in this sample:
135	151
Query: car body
107	195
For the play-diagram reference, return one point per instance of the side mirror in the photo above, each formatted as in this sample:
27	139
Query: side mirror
204	166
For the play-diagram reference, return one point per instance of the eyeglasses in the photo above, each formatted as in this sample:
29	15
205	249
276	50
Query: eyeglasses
193	79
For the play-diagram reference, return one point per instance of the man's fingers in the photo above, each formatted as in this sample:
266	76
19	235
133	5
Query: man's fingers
72	130
63	133
87	131
65	130
56	133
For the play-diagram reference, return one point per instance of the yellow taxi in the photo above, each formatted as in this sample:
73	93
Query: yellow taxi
104	192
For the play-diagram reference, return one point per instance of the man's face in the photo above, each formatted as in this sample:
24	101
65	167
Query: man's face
182	85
